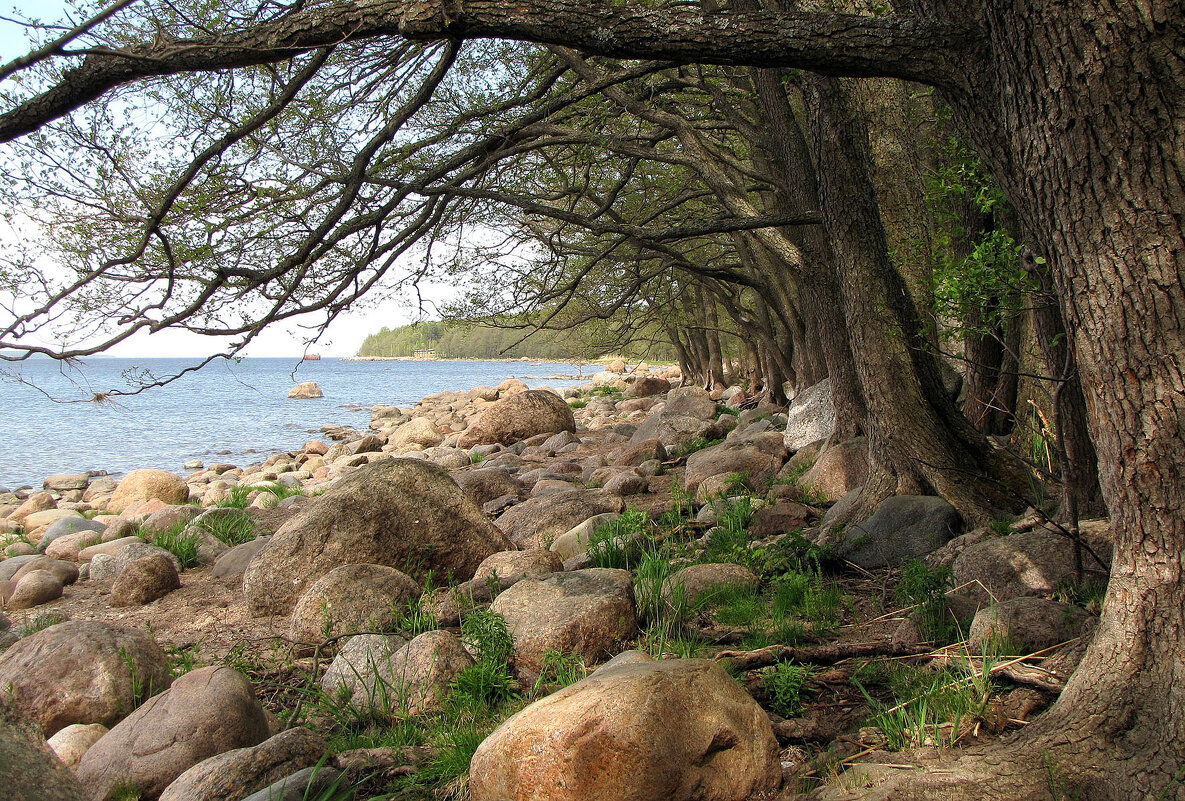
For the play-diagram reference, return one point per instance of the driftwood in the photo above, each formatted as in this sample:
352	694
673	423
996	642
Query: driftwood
816	654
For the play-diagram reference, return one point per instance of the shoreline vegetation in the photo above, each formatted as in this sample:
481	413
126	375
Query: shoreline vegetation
671	533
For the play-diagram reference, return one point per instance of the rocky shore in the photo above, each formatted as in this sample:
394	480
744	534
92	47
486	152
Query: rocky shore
620	590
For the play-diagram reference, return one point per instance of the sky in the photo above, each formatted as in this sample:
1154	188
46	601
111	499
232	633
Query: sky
343	336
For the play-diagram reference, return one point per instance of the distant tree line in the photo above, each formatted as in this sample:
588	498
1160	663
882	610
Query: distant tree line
469	340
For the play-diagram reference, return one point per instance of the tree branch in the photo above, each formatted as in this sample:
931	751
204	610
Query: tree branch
916	49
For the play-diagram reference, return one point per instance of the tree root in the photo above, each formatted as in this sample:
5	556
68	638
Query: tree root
816	654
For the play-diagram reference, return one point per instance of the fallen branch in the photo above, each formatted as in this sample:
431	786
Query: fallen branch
816	654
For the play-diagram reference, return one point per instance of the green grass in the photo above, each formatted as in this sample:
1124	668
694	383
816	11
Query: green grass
232	529
926	707
622	542
559	669
413	617
924	587
784	684
180	542
688	448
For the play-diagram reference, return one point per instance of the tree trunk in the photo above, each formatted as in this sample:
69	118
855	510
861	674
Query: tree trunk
919	444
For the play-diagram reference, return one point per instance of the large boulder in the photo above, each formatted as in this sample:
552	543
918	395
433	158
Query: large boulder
1025	625
519	564
417	431
29	770
206	712
146	485
537	522
674	730
1029	564
688	413
82	671
243	771
647	385
144	581
840	468
901	528
35	588
402	513
589	612
349	599
759	459
811	416
517	417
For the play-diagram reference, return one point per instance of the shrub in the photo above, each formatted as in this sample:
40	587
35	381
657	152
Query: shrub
784	683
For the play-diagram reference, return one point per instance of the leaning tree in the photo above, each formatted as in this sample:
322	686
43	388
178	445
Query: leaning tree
1079	111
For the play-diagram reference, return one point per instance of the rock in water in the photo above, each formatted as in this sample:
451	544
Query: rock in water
402	513
519	416
673	730
306	391
82	671
206	712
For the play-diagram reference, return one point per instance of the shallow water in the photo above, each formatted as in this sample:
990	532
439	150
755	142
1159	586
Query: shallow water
225	412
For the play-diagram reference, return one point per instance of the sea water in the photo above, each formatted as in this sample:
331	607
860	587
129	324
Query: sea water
236	412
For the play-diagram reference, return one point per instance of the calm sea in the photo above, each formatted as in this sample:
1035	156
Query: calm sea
225	412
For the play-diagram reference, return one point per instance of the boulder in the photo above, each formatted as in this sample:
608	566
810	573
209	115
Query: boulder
509	564
1018	565
615	366
1025	625
574	541
700	581
145	485
66	482
635	454
29	770
673	730
243	771
67	572
535	523
417	679
355	669
206	712
511	386
690	402
47	517
65	526
840	468
133	551
349	599
144	581
811	416
781	517
759	459
627	482
37	502
589	612
233	563
671	430
72	742
487	484
306	390
902	527
35	588
397	512
164	519
10	567
518	417
69	546
647	385
82	672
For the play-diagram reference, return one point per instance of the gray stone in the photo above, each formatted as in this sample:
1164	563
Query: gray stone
233	563
238	773
67	525
901	528
811	416
304	784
